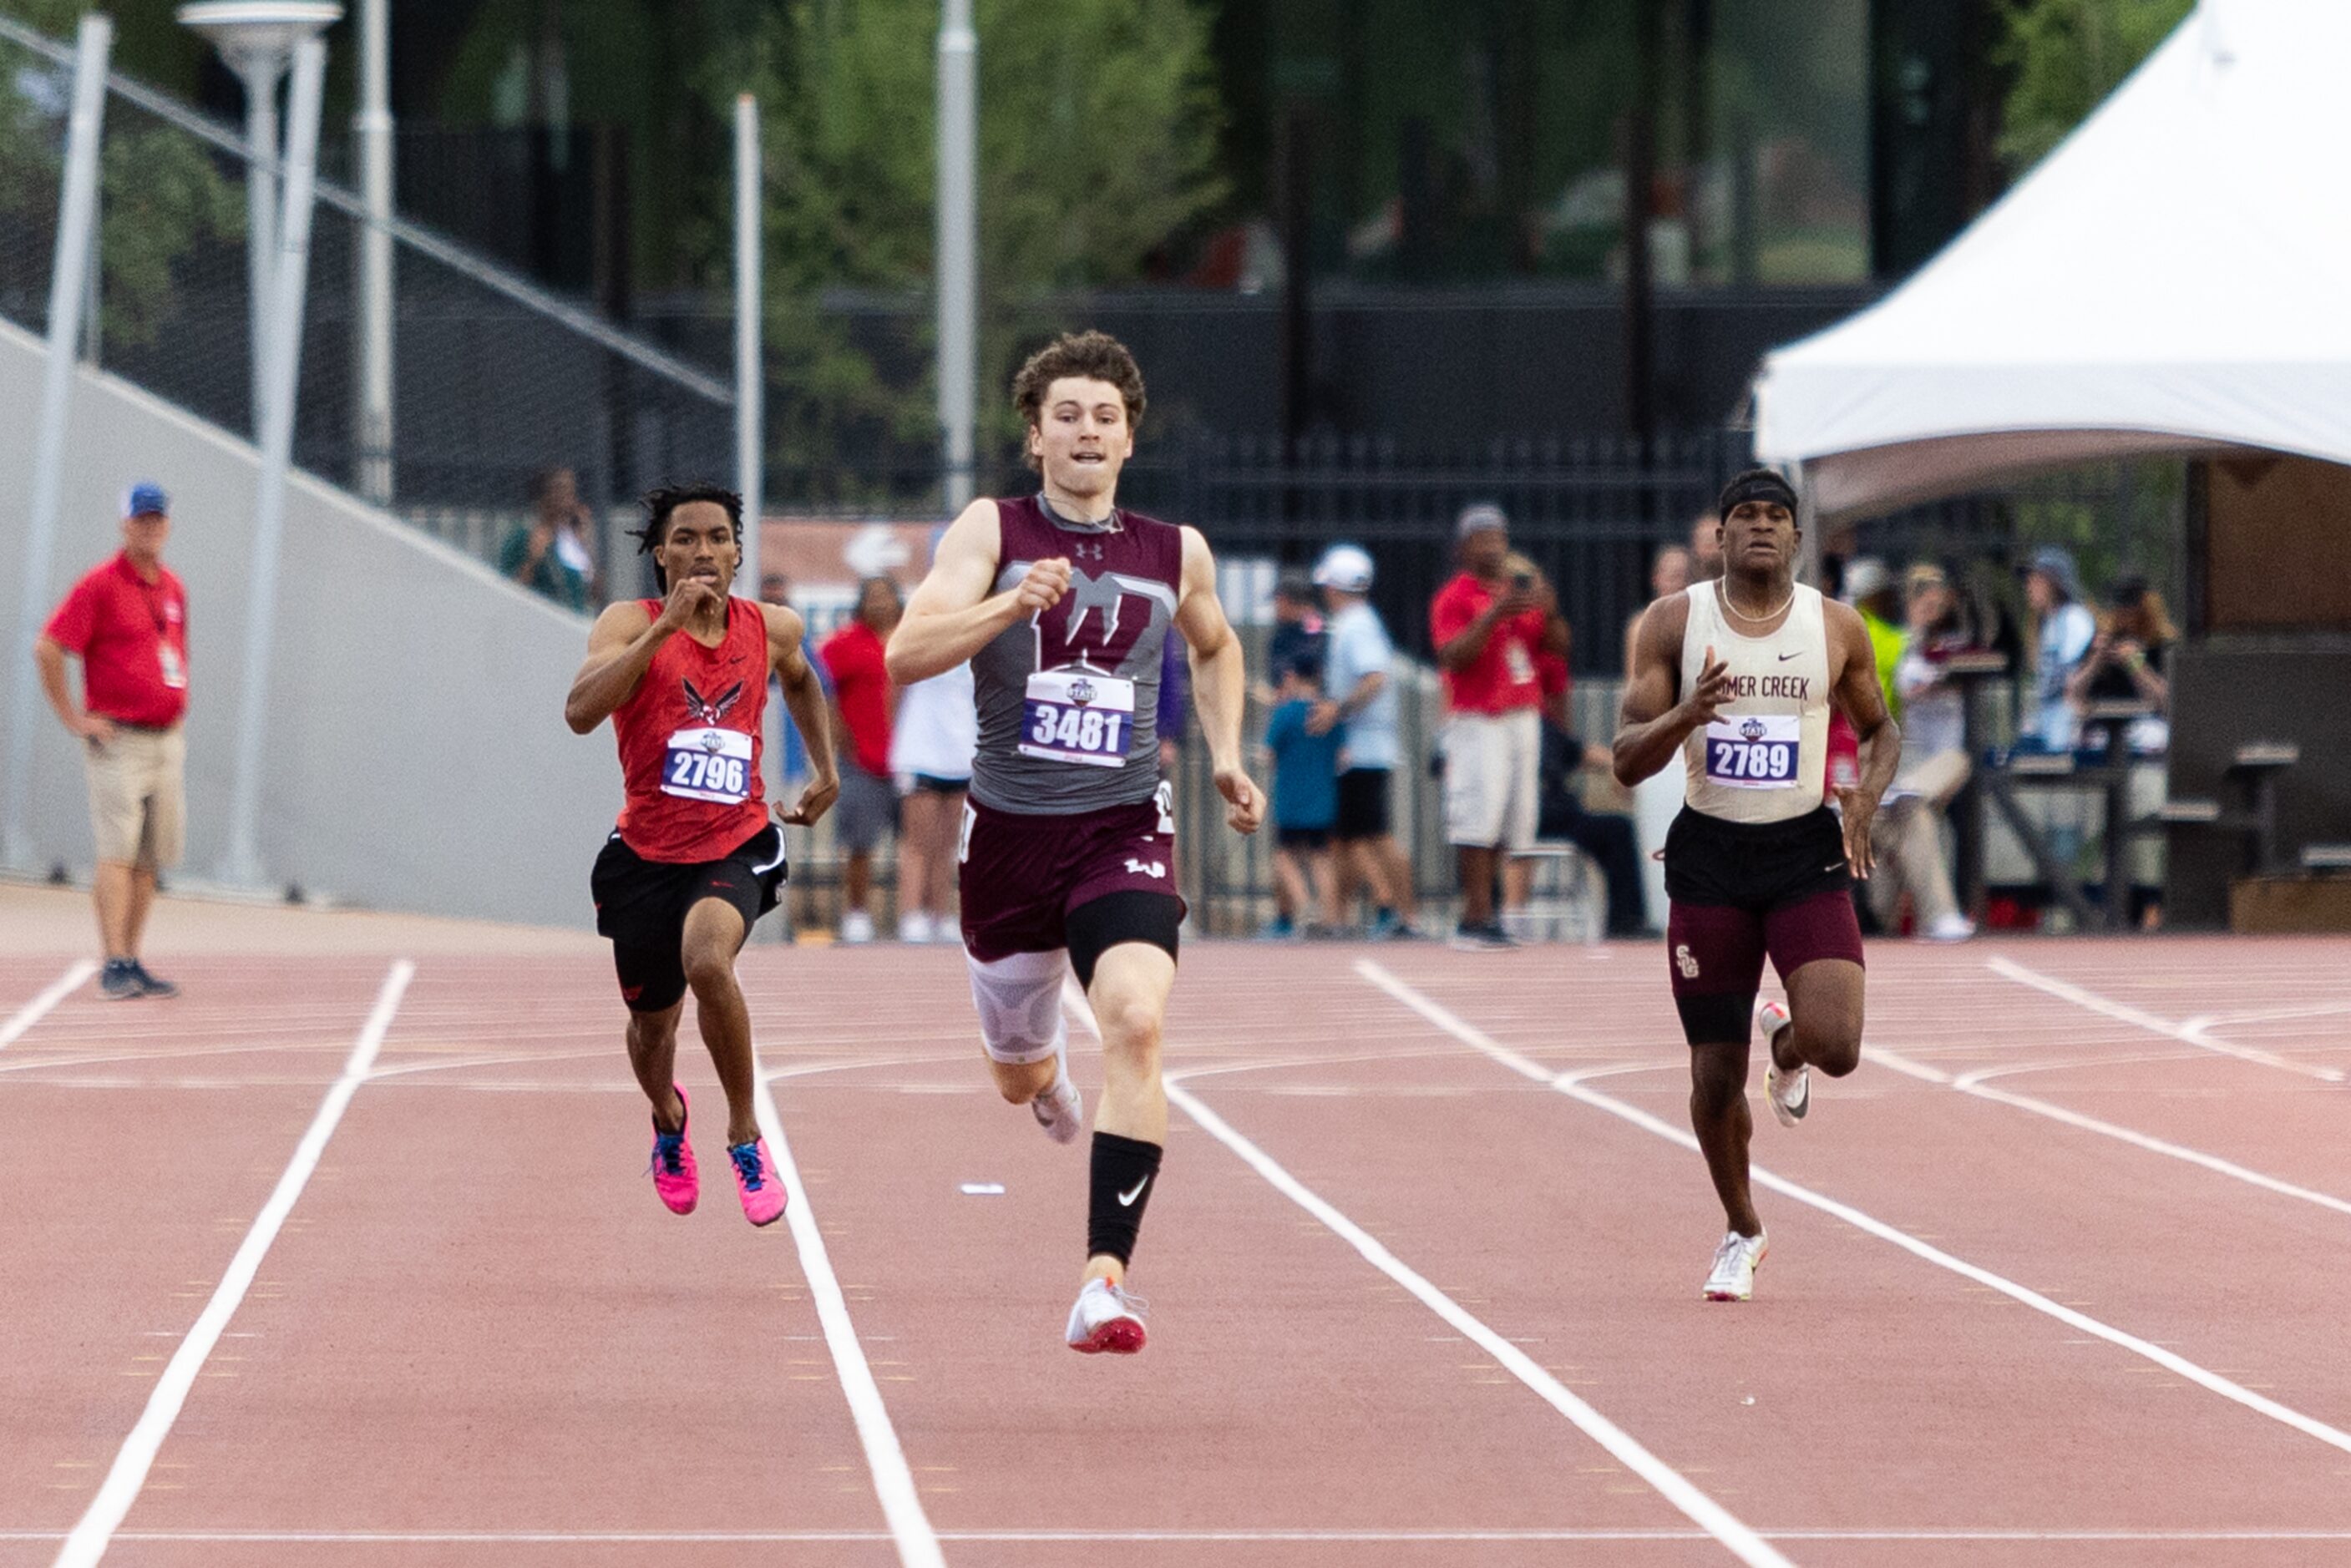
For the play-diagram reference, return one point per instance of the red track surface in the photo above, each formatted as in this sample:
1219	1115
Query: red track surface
479	1339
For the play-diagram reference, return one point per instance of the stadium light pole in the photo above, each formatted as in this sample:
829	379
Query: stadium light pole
958	249
76	221
749	422
372	128
289	276
255	39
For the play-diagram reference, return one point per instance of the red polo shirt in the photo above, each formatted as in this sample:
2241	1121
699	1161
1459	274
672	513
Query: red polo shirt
861	684
1503	678
133	638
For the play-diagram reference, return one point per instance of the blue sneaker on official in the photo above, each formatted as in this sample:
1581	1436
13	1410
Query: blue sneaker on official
149	985
119	981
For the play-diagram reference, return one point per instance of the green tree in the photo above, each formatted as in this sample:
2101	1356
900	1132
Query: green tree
2067	57
1098	126
161	192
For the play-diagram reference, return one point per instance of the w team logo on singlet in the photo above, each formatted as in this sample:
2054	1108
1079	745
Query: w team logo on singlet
1097	624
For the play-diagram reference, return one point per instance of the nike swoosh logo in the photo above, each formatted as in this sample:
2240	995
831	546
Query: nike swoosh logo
1786	656
1126	1199
1834	865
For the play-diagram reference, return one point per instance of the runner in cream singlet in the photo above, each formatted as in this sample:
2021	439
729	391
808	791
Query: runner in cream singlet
1736	676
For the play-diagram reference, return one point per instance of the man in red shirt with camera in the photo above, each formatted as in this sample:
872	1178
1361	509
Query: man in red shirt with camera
1488	625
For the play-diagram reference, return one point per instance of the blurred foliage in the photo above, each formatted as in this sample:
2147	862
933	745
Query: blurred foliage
2067	57
161	192
1097	139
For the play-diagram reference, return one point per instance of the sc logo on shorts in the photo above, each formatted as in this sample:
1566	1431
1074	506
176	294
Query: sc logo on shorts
1683	961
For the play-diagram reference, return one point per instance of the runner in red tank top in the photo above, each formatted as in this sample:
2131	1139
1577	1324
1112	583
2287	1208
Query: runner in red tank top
695	861
1064	604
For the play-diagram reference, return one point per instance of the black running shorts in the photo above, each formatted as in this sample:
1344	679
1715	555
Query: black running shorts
642	906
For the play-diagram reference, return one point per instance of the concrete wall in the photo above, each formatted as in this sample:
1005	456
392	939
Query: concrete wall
417	757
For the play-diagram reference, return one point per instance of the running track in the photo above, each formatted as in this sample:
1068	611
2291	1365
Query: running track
326	1263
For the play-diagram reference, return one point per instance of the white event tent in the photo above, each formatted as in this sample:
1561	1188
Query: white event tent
2176	277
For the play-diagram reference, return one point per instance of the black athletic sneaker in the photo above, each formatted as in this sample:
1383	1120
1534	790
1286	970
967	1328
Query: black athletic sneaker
119	981
148	985
1488	938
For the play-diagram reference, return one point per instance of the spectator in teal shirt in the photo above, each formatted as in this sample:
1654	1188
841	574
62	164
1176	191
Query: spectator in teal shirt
550	555
1305	798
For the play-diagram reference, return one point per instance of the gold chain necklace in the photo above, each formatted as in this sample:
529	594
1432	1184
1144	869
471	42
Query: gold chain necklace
1756	619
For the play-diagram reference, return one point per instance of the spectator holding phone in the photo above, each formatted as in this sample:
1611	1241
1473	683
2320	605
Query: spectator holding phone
1487	624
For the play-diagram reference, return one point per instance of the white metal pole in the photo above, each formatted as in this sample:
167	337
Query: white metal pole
373	126
260	69
958	250
76	220
750	445
289	276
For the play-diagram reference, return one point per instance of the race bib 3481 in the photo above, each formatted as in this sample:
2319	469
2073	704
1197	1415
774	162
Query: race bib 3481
1073	717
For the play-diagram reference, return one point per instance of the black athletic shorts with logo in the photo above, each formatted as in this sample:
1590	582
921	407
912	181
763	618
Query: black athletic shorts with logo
1742	892
642	906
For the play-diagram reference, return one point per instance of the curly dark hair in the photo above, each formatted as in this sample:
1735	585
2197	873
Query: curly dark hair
1096	355
659	503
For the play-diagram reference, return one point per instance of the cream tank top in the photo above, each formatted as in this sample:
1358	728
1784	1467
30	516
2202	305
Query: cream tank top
1765	756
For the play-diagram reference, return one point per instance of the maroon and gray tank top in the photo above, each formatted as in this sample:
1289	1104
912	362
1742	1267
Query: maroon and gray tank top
1069	698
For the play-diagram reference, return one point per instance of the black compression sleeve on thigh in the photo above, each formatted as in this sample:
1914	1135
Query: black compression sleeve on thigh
1129	915
652	975
1124	1169
1720	1020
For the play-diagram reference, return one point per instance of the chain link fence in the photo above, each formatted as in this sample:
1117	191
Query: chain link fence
494	379
35	96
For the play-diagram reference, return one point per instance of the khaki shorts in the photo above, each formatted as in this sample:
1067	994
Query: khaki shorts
137	805
1490	765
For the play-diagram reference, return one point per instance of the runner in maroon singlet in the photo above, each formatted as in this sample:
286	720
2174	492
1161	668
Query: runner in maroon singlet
695	861
1062	603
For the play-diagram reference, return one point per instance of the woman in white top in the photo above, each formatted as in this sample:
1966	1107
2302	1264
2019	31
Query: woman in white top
931	744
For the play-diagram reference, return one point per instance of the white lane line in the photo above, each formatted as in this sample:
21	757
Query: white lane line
33	1011
2193	1032
2281	1014
1973	1084
893	1481
1119	1537
1701	1510
121	1488
2202	1377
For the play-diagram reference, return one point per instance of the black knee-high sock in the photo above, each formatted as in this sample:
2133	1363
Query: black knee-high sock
1124	1171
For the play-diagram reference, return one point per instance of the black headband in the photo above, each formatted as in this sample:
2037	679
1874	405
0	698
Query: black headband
1756	484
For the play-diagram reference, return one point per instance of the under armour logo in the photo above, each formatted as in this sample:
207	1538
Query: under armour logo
1148	867
1684	962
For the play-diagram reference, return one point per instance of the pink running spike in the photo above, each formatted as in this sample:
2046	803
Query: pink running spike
755	1180
674	1176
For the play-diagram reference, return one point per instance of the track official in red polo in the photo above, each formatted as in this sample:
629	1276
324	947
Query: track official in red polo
127	621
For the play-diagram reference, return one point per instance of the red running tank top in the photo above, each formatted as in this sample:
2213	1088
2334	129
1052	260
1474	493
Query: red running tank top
690	738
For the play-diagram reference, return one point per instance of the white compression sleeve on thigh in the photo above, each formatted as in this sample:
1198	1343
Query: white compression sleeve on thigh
1020	1002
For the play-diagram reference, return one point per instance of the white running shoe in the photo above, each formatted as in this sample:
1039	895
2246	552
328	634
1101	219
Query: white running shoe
1953	927
856	926
1061	1110
1790	1093
1106	1319
915	927
1732	1278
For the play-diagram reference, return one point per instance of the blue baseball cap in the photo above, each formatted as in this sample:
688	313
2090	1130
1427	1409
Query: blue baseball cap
144	497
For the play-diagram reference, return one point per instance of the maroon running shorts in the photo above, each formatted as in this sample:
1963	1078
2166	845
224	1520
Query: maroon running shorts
1021	875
